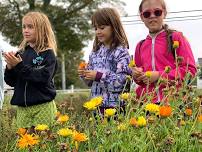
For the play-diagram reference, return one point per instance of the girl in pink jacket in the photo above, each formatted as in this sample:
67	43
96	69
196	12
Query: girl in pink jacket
155	52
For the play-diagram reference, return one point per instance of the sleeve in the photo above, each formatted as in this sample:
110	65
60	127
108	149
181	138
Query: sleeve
42	74
188	62
115	81
137	59
10	77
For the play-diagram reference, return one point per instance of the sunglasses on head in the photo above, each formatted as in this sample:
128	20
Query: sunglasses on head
148	13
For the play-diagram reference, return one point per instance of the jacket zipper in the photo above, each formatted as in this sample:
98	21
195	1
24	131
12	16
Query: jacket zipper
25	92
153	63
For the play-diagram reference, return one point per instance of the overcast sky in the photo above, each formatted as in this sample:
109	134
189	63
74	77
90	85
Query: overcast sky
192	29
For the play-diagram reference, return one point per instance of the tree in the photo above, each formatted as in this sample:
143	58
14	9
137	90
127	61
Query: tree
70	20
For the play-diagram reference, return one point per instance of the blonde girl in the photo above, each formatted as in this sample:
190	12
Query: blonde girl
31	70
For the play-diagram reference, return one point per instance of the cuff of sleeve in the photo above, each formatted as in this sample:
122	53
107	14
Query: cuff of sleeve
19	66
98	76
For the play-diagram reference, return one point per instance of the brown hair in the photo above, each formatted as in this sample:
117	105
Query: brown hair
165	26
45	37
110	17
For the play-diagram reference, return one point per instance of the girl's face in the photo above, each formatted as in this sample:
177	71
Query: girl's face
104	34
152	15
28	30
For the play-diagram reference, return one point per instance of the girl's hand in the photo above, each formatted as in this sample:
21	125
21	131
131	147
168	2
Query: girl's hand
90	74
9	67
136	73
153	78
11	59
81	72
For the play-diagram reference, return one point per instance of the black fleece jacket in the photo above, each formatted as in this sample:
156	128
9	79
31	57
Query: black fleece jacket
32	78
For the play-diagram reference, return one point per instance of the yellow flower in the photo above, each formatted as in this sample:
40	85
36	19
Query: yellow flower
80	137
65	132
176	44
133	122
27	140
97	100
57	114
90	105
110	112
93	103
41	127
141	121
21	131
151	107
63	118
167	69
132	63
122	127
125	96
148	74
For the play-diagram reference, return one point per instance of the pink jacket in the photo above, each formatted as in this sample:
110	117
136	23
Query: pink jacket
153	55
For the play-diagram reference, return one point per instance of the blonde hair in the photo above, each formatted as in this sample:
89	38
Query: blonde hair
45	38
110	17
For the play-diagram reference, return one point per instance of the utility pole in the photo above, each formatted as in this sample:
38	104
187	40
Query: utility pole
63	72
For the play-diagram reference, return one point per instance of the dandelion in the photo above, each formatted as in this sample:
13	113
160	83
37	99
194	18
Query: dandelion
64	132
188	112
21	131
141	121
82	65
125	96
27	140
110	112
165	111
132	63
167	69
63	118
133	122
176	44
148	74
41	127
122	127
151	107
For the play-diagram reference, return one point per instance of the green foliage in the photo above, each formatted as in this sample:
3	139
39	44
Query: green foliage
70	20
200	73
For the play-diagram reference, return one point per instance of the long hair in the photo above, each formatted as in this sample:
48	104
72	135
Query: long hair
165	26
45	37
110	17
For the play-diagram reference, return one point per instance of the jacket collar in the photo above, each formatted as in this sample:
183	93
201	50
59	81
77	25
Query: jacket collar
160	33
